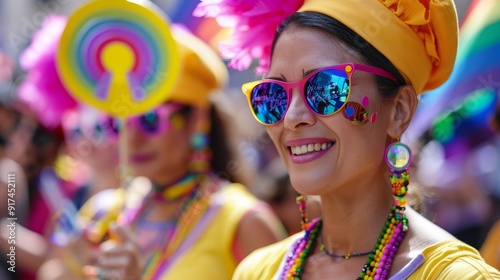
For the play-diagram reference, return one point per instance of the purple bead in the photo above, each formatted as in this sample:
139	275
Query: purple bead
380	268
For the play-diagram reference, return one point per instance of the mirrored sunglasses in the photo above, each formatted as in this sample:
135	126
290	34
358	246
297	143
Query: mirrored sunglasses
325	91
152	123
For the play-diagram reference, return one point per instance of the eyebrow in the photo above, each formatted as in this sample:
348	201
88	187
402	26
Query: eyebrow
308	72
283	78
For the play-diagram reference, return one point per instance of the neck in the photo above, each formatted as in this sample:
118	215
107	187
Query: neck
352	222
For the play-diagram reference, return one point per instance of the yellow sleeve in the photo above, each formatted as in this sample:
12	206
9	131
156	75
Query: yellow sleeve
453	259
468	268
263	263
490	251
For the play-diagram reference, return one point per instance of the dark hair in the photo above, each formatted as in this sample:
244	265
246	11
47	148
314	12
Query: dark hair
223	155
344	34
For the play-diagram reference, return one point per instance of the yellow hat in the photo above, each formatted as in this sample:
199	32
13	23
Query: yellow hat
419	39
202	70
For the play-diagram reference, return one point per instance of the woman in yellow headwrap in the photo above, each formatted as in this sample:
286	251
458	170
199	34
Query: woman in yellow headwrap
341	88
193	223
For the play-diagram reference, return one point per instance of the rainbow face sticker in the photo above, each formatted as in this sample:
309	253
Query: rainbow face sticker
118	56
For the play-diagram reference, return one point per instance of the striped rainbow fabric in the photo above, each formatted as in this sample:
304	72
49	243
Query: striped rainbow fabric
477	65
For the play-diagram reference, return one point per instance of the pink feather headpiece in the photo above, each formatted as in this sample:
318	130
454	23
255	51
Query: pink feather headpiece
253	24
42	89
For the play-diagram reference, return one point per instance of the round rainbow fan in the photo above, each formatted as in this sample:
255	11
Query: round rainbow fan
118	56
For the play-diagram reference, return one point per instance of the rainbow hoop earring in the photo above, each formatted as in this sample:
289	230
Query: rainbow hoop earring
398	157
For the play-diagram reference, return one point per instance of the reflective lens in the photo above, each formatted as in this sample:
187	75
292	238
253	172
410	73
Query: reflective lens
269	102
150	122
327	91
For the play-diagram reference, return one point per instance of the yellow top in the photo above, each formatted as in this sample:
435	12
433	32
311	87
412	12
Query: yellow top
211	255
445	260
207	250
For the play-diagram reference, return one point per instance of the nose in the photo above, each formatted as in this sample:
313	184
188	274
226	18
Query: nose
298	114
132	134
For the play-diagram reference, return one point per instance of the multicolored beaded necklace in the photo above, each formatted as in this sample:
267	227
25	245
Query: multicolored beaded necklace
379	262
192	211
177	190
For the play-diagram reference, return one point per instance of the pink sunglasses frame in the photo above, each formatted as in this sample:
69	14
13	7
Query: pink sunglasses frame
348	68
164	112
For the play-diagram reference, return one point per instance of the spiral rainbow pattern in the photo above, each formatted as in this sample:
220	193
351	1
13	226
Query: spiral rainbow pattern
118	56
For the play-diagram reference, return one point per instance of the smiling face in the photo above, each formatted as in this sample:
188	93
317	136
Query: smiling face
322	153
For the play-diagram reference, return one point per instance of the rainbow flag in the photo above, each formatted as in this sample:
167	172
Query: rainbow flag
477	65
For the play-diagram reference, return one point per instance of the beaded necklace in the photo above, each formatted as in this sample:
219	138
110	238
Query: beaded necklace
192	211
347	256
379	262
175	190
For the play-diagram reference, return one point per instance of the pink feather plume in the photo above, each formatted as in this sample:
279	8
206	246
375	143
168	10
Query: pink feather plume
42	89
253	24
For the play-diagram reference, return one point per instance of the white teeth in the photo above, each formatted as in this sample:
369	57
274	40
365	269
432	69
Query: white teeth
303	149
310	147
298	150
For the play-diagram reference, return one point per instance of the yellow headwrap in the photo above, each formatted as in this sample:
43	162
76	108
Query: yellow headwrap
202	70
419	37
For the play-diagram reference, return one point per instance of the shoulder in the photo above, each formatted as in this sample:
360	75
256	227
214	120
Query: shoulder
263	263
453	259
235	201
444	256
252	218
257	214
233	191
423	233
491	246
10	168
